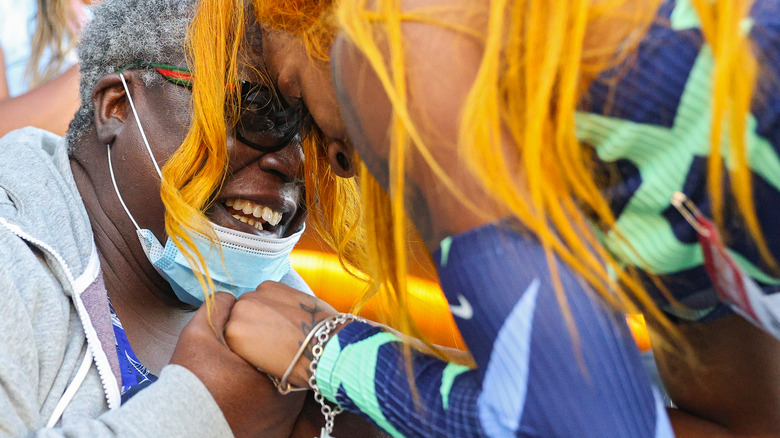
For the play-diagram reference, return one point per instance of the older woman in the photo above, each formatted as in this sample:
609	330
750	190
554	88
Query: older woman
95	294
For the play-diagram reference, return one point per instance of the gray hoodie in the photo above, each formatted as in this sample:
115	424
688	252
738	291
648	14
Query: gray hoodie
59	374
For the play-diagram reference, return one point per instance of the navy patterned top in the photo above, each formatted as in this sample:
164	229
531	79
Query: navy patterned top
532	377
649	124
135	376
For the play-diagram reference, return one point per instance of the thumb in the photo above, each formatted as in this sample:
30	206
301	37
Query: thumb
217	313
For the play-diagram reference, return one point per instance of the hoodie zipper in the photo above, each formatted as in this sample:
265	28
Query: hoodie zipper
107	378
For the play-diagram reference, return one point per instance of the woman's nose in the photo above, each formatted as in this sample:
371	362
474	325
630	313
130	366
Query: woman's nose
286	162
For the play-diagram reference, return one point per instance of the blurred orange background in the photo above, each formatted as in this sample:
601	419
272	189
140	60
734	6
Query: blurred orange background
429	309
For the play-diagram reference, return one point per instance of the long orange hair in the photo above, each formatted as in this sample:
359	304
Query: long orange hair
538	59
198	168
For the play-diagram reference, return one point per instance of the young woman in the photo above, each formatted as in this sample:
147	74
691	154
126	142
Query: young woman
551	156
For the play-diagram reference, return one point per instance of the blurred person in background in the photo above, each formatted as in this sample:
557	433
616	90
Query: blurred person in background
38	65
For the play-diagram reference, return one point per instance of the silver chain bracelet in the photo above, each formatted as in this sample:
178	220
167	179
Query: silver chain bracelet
323	335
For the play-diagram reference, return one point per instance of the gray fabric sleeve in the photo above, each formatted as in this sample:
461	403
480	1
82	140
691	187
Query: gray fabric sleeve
34	339
42	344
177	404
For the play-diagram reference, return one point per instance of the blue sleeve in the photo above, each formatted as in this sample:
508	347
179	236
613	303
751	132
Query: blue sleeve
363	369
533	377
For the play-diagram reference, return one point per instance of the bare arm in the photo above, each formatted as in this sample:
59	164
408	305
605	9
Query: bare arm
49	106
688	426
734	386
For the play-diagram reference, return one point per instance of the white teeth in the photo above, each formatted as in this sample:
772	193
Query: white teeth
268	214
258	211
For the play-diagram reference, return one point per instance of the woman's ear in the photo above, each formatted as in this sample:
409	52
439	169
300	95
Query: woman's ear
341	157
111	107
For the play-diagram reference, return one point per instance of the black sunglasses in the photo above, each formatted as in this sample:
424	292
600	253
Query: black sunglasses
265	122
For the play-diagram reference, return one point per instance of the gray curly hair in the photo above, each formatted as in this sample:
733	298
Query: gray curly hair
120	33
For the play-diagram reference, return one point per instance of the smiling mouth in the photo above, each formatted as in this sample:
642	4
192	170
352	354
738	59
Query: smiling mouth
253	214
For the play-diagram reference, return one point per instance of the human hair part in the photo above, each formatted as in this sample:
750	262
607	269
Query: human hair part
199	166
120	33
55	33
311	20
539	57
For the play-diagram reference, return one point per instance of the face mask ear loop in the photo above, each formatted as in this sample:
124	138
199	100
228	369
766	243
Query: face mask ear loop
140	128
116	189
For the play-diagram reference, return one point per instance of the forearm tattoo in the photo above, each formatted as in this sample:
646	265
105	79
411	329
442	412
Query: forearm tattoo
312	308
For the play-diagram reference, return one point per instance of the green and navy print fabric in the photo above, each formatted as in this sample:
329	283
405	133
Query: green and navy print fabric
649	125
135	376
531	378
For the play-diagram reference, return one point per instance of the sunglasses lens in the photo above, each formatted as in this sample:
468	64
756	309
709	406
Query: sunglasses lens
264	122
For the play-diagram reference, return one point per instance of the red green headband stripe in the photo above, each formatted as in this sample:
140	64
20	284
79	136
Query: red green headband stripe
177	75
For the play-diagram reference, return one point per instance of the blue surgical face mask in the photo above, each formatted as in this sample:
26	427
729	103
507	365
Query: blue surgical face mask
246	260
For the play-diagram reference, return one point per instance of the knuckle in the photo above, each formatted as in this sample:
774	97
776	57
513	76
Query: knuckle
256	309
267	284
233	332
192	331
242	308
224	298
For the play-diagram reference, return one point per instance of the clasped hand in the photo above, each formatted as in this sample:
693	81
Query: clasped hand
268	326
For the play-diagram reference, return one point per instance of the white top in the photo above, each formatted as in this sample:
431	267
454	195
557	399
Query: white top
17	26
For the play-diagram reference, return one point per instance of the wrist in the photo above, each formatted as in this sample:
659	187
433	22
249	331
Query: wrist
328	331
300	370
